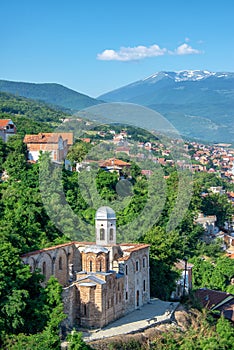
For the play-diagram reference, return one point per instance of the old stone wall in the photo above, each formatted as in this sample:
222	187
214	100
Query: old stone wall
55	261
137	283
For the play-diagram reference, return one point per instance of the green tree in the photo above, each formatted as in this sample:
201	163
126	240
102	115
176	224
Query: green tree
164	252
75	341
52	313
216	204
78	151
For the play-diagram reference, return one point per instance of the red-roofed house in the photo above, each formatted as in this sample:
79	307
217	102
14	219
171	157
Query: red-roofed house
7	129
55	143
114	164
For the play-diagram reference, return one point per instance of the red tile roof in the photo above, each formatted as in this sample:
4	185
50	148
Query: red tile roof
56	247
114	162
49	138
135	247
4	123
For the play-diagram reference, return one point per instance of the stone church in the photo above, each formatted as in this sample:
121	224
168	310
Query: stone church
101	280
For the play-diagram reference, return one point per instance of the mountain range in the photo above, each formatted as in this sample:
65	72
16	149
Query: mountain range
198	103
50	93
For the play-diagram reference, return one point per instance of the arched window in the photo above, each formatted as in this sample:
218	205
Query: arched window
60	263
143	262
111	234
90	266
102	234
144	285
137	265
44	268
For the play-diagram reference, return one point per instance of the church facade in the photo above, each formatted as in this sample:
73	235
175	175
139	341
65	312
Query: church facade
101	280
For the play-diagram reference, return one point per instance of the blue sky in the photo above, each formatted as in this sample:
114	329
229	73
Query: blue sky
97	46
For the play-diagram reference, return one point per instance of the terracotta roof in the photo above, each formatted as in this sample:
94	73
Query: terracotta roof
134	247
86	139
125	258
56	247
4	123
114	162
49	138
210	298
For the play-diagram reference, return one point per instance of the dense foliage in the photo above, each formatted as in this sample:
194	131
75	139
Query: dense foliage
20	106
30	315
51	93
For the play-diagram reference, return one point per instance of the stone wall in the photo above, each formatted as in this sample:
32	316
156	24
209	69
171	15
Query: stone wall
55	261
137	282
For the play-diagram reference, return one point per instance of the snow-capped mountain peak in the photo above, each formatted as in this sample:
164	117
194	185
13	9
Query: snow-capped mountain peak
192	75
184	75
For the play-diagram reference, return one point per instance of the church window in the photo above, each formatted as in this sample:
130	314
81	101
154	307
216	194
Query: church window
126	269
143	262
85	310
90	266
137	265
60	263
102	234
111	234
44	268
144	285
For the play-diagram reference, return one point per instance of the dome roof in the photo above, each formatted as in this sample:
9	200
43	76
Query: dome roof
96	249
105	213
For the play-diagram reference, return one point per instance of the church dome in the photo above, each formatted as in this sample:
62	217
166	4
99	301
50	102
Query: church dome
105	213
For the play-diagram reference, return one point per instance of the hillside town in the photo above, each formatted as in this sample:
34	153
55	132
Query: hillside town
89	271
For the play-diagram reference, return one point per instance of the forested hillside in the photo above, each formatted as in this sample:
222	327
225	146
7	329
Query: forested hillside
51	93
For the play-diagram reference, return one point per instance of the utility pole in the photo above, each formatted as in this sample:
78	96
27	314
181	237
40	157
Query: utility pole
185	270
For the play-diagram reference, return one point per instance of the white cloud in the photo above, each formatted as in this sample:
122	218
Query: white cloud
185	49
141	52
131	53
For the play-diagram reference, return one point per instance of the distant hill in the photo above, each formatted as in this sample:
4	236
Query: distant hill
199	104
51	93
30	116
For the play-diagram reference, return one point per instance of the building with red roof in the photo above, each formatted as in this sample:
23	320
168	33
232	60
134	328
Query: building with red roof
7	129
55	143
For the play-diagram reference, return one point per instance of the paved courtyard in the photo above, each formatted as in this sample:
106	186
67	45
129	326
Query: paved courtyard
155	312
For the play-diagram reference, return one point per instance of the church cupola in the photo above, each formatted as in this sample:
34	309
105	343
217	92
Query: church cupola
105	223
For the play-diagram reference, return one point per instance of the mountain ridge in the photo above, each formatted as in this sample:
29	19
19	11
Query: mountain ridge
51	93
185	98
